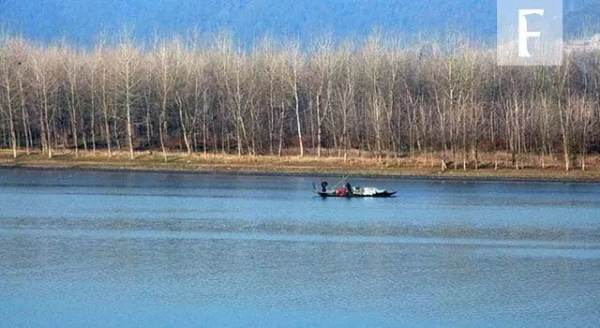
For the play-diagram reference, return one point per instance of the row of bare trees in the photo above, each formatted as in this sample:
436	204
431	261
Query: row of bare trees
374	99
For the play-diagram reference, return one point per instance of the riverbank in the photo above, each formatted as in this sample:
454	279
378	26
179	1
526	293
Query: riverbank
293	165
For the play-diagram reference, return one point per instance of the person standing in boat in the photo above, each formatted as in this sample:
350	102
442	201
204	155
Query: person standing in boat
324	185
349	188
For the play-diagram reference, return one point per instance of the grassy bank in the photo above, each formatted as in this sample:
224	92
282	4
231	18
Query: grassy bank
419	166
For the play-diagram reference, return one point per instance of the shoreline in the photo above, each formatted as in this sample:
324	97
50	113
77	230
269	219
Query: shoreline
286	166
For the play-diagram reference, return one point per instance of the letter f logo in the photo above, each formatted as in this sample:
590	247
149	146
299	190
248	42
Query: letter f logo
530	32
524	33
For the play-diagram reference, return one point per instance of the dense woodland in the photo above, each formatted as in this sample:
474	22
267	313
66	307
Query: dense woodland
377	98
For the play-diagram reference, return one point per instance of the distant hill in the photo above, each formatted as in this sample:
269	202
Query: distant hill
81	21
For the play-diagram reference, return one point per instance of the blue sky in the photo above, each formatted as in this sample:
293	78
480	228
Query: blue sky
81	21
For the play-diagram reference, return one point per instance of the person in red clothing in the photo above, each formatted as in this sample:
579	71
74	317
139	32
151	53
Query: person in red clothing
341	192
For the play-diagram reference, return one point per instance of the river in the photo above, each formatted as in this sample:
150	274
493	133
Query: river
114	249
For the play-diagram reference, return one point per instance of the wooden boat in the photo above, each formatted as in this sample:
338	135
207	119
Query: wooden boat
359	192
382	194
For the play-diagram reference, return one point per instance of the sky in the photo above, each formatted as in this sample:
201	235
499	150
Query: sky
82	21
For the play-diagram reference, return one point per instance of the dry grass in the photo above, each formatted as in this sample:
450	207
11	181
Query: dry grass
425	165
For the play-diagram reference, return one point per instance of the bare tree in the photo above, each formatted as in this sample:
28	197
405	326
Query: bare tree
6	71
45	85
376	99
128	81
295	64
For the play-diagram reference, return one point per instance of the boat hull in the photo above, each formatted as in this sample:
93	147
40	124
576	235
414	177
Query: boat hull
385	194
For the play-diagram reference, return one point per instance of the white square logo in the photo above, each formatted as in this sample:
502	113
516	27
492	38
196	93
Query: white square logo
530	32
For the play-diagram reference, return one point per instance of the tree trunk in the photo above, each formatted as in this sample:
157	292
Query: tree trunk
297	110
183	127
25	117
105	112
11	121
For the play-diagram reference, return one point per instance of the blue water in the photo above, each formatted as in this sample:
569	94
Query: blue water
114	249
